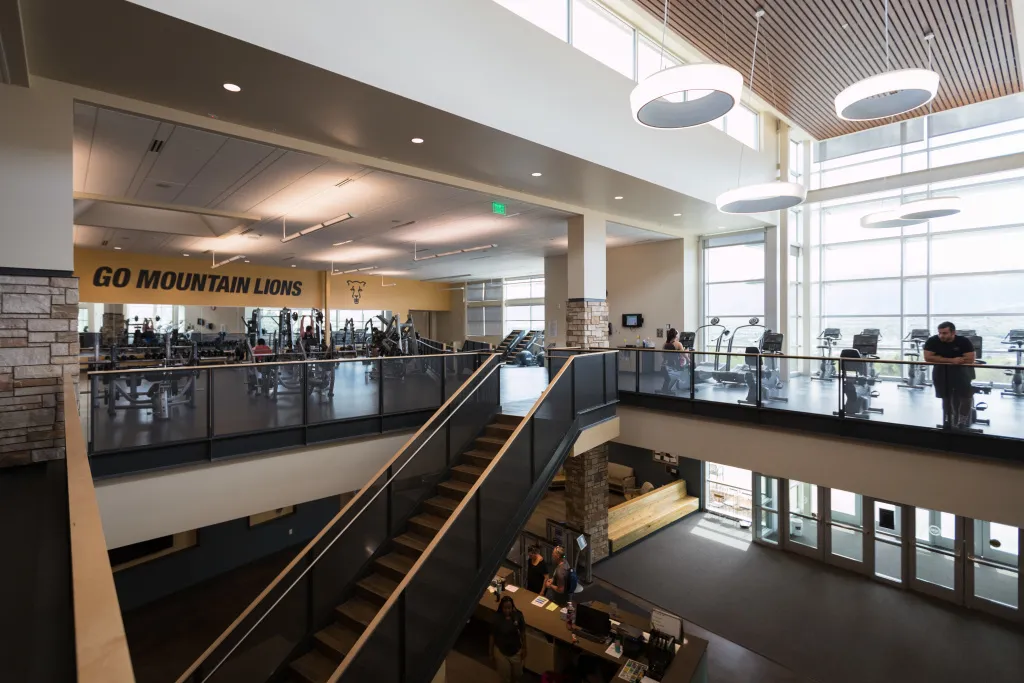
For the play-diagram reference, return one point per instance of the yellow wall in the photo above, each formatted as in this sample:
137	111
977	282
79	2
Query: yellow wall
100	272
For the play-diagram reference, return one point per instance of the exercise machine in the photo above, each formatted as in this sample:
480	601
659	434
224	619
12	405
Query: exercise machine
859	380
1014	339
827	341
738	375
704	371
771	383
917	375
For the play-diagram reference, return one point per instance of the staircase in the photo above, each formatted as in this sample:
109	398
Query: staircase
509	343
524	344
352	617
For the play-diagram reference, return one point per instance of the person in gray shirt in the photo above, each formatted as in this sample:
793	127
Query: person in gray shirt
555	585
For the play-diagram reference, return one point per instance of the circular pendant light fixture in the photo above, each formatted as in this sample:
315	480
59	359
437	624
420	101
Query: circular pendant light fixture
927	209
777	195
888	94
652	109
886	219
659	102
774	196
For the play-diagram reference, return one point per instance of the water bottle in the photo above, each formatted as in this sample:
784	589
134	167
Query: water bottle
570	614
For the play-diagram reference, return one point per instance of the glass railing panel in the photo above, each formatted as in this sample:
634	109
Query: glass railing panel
457	370
629	367
611	377
134	409
664	373
867	395
551	420
998	401
412	384
722	378
340	390
785	384
257	397
438	585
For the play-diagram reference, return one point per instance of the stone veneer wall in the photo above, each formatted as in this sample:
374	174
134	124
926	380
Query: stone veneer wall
38	347
586	324
586	497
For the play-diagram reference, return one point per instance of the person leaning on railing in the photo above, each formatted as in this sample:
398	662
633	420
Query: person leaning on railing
952	385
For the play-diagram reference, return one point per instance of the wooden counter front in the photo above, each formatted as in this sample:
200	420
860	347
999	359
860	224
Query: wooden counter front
688	666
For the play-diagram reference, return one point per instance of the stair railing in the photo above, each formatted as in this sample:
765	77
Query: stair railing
301	598
420	620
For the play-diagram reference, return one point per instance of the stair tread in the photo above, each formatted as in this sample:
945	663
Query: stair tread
314	666
417	543
492	439
378	584
428	520
359	610
505	426
480	454
445	502
397	561
469	469
456	485
338	638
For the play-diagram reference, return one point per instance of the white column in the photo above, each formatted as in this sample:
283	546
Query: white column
587	237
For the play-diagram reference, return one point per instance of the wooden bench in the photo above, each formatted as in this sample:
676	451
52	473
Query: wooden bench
633	520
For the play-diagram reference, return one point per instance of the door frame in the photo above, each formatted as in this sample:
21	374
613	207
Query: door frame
871	536
858	567
974	602
817	552
758	508
956	552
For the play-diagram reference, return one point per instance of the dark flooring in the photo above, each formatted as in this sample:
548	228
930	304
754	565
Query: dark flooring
36	615
820	622
919	408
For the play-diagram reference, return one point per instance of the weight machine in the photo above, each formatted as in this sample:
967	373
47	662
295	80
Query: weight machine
917	375
828	339
1014	339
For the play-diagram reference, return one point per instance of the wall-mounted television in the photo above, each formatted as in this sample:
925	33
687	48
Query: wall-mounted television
632	320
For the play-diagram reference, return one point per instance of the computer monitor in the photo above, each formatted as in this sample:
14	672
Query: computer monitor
593	621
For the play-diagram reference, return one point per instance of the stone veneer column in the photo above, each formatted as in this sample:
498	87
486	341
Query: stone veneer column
586	324
586	497
38	347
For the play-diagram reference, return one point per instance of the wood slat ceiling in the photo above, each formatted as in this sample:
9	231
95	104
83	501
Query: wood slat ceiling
809	50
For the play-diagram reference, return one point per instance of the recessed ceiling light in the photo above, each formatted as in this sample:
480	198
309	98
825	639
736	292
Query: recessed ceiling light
536	175
417	141
677	215
247	260
619	197
293	265
231	87
117	248
184	254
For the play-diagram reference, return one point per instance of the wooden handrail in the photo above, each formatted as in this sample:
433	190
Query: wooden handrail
157	368
101	648
323	532
463	504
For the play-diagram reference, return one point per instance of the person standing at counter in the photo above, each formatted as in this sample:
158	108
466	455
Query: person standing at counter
536	571
556	583
508	641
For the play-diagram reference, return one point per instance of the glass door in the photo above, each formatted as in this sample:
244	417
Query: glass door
845	538
766	509
803	533
937	558
885	547
993	568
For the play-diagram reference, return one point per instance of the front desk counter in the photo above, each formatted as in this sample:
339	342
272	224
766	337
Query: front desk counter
688	666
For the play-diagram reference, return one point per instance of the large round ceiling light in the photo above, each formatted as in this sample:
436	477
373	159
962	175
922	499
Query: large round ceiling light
926	209
775	196
723	86
888	94
886	219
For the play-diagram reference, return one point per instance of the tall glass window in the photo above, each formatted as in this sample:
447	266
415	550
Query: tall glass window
729	491
550	15
734	283
603	36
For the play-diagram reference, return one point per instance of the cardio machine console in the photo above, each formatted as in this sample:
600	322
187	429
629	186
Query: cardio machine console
920	334
687	339
1014	337
831	333
866	344
772	342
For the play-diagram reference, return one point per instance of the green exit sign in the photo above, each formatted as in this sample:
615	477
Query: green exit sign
498	208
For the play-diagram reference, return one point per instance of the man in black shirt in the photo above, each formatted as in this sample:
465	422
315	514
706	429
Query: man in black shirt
508	641
952	384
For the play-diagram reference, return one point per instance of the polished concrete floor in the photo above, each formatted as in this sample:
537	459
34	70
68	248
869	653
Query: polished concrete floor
900	405
820	622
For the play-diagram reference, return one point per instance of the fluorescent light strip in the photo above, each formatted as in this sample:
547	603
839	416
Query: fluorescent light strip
450	253
222	263
313	228
446	277
340	244
349	272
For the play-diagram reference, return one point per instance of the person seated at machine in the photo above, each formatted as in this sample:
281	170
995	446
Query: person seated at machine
675	366
261	349
952	384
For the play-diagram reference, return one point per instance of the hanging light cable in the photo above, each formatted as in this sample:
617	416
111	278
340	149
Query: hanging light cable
652	103
887	94
777	195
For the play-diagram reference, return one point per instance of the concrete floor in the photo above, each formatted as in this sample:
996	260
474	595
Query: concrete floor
919	408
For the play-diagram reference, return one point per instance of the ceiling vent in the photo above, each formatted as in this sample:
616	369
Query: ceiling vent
403	225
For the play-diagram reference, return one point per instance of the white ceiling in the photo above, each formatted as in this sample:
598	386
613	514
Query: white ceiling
131	157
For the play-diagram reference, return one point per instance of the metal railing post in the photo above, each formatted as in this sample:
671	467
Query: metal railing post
758	367
693	375
380	390
209	404
572	377
842	387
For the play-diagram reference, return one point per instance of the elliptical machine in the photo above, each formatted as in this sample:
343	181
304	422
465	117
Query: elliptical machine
917	375
772	385
828	339
738	374
859	381
1015	340
703	372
